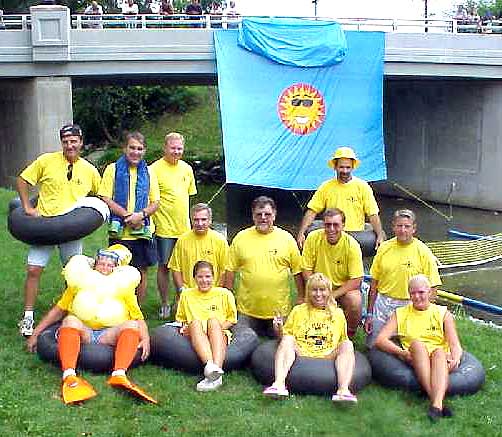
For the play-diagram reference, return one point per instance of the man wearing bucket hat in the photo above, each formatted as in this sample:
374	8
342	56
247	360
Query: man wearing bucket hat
99	306
62	178
346	192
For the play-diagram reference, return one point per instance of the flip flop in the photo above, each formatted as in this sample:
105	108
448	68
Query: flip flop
75	389
275	393
344	398
121	381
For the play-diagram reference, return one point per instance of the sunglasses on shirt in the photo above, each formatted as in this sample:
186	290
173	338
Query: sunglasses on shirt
69	173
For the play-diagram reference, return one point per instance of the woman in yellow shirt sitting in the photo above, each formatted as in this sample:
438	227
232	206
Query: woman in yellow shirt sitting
429	343
207	313
316	329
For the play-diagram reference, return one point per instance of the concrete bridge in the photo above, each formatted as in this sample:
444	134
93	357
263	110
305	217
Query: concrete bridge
442	99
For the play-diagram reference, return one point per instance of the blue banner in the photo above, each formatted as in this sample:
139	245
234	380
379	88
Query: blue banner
282	123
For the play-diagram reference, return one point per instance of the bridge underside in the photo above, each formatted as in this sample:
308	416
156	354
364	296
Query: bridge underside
443	136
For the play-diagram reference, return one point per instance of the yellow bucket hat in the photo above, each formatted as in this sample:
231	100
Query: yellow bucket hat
344	152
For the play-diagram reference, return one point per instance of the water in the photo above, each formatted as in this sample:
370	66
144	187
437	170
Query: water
479	282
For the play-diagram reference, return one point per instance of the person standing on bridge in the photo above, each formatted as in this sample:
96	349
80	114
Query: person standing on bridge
177	184
63	178
346	192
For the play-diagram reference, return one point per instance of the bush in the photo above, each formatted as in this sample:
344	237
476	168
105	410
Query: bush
106	112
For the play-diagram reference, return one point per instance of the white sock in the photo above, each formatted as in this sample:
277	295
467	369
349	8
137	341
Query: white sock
69	372
119	372
29	314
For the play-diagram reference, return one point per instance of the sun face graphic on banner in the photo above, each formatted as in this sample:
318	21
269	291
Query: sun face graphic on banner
301	108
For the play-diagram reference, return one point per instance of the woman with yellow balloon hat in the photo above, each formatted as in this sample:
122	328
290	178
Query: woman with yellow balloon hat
99	306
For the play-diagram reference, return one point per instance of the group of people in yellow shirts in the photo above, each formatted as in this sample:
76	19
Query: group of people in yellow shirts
150	223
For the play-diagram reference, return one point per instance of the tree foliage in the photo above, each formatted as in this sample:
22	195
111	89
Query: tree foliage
106	112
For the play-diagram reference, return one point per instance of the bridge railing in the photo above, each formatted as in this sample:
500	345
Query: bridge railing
15	22
155	21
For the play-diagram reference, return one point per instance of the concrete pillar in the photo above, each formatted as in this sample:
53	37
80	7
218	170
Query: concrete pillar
444	140
33	112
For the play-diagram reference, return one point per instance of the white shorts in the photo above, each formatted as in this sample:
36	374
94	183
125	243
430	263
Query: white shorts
40	255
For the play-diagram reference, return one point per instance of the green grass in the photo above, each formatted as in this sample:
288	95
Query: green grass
30	402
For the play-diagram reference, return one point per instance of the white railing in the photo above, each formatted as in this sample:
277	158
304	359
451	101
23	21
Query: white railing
155	21
15	22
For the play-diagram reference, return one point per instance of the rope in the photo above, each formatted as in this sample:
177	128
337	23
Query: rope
215	195
302	206
423	202
452	254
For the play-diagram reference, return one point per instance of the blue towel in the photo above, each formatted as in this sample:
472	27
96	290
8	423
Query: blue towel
121	188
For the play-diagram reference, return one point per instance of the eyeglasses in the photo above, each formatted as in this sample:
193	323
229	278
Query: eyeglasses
69	173
303	102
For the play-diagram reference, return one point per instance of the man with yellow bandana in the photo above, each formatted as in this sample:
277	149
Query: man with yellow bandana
337	255
265	256
177	184
396	261
199	244
63	178
98	307
346	192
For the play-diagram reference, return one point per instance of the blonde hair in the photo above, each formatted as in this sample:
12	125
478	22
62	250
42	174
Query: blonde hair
174	136
316	280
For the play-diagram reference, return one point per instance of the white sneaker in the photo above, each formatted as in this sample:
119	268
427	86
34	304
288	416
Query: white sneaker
164	312
26	325
207	385
212	372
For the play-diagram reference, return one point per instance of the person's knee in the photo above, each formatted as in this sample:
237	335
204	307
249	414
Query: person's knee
195	325
214	324
130	324
71	321
438	355
416	346
288	342
351	301
346	347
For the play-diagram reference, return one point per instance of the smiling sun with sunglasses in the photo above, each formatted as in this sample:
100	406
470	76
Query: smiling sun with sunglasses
301	108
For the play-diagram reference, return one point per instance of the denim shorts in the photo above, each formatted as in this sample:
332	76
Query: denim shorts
165	248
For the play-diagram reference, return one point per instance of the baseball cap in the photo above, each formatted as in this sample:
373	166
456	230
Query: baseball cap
70	129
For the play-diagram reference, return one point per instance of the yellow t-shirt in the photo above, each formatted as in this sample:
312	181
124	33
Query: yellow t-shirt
100	301
395	263
426	326
107	186
176	183
265	263
339	262
355	198
190	248
317	332
217	303
57	194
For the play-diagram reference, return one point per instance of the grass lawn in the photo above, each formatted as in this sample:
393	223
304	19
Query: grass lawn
30	403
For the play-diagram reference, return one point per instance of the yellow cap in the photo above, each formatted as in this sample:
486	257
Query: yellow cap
344	152
123	253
